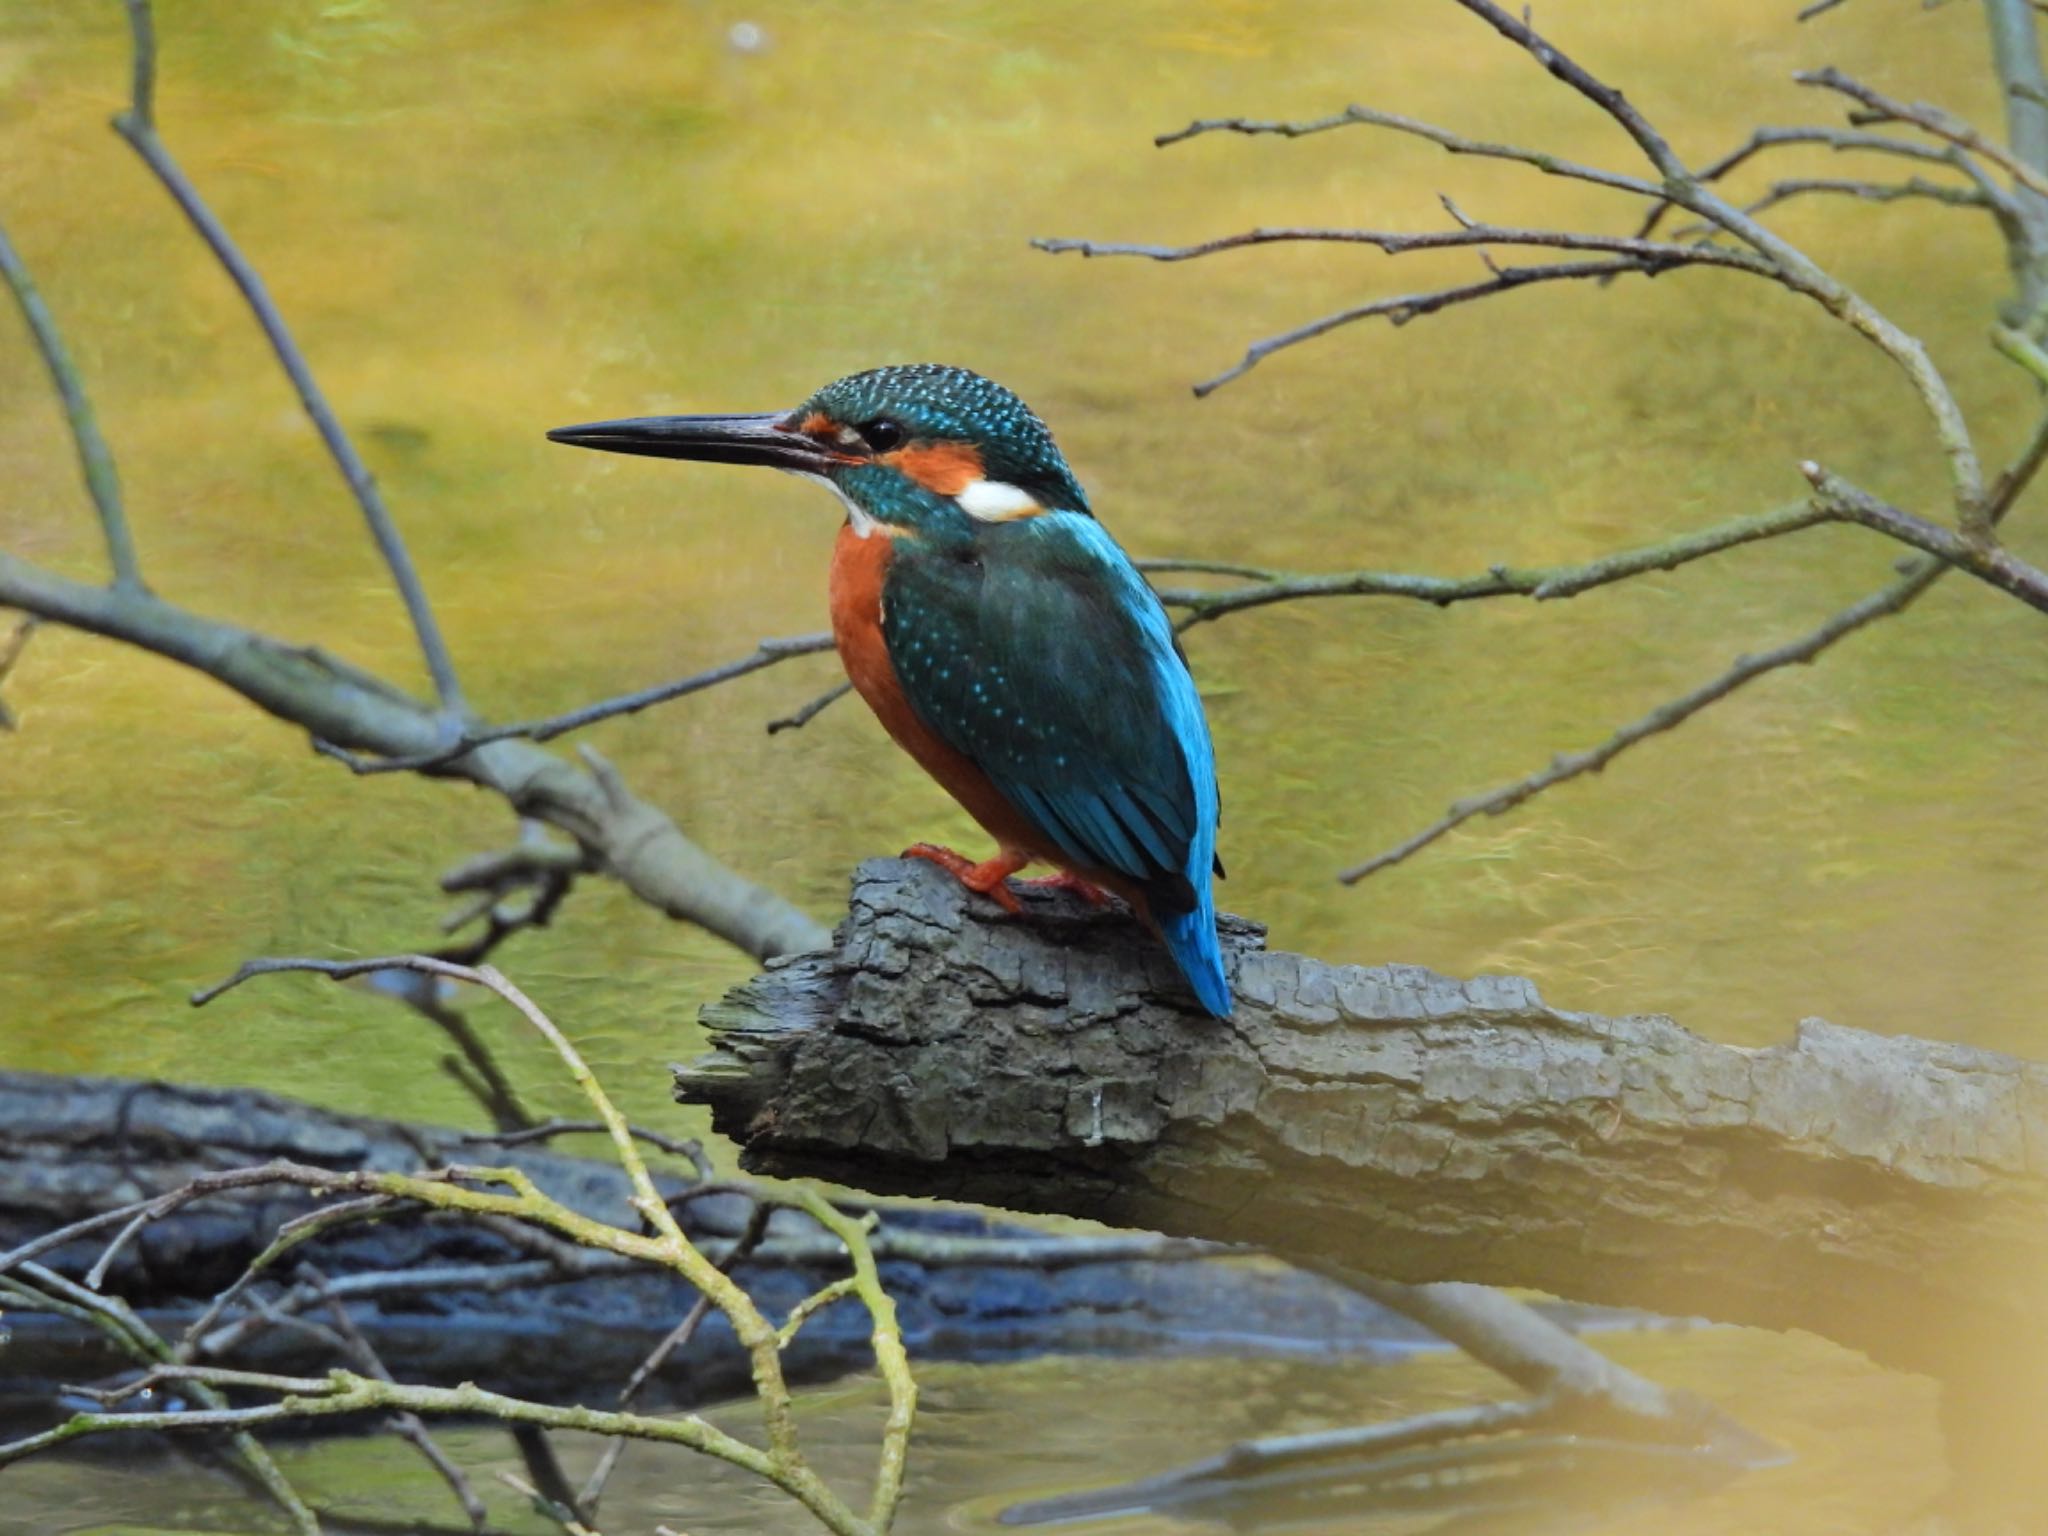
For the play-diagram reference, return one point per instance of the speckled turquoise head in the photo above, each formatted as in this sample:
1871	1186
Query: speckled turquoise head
918	447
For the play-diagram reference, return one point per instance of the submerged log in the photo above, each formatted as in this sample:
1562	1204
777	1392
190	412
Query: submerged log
448	1301
1888	1193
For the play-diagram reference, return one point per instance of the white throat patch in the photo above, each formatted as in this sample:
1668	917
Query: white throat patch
997	501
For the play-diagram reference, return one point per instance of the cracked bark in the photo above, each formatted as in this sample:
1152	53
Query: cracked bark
1887	1193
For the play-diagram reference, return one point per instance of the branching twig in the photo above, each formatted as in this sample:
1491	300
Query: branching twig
782	1461
138	126
797	719
406	1425
1885	602
1942	124
1400	243
1914	187
1844	140
1402	308
136	1339
676	1339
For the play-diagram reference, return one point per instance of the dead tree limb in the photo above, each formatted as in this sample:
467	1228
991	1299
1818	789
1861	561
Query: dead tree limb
1890	1194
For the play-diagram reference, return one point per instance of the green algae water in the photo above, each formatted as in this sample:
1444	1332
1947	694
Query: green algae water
488	219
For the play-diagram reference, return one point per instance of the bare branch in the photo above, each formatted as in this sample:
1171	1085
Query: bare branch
137	126
1990	563
1939	122
1845	140
95	459
135	1338
1668	716
1400	243
1604	96
1455	143
1403	308
1869	192
338	703
766	654
1791	266
1895	598
782	1462
1542	584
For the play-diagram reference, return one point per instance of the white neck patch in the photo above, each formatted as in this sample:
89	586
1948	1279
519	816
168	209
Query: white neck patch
997	501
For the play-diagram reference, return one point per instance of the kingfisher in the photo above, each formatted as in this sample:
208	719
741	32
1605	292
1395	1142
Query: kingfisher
1000	635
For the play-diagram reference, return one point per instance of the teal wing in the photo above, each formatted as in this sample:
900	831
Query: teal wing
1041	654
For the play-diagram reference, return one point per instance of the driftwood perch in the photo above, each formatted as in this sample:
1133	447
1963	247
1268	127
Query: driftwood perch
1887	1193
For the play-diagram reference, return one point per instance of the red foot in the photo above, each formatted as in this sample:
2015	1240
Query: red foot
1087	890
985	878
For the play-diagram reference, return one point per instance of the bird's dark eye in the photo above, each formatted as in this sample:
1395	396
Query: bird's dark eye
881	434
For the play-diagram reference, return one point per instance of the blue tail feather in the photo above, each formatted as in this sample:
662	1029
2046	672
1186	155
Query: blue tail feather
1191	939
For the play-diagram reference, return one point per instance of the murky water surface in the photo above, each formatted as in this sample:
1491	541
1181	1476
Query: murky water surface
487	219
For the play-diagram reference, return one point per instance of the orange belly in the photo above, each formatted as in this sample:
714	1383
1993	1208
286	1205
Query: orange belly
858	568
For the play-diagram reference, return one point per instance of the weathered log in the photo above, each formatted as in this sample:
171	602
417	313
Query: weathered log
1888	1193
966	1288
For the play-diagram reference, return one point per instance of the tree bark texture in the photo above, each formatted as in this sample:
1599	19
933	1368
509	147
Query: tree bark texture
1888	1193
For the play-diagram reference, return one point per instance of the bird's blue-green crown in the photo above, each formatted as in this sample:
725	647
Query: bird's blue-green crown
936	403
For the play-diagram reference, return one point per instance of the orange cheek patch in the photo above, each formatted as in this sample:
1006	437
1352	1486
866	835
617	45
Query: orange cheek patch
946	468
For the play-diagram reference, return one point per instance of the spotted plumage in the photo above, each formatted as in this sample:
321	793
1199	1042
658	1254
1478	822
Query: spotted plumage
999	634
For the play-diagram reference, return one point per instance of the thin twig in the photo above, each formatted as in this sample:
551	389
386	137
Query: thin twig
1938	121
676	1339
11	651
1543	583
798	719
1786	262
782	1461
1889	600
1915	187
1402	308
135	1338
1400	243
766	654
690	1151
137	125
95	458
1668	716
1445	138
406	1425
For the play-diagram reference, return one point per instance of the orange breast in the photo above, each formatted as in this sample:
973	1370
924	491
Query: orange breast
859	566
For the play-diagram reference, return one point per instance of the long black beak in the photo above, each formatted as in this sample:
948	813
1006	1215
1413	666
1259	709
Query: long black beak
712	439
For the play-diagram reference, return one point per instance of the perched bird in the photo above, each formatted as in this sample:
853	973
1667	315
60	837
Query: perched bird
1000	635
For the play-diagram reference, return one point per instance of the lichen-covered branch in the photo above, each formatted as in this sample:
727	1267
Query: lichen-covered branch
509	1194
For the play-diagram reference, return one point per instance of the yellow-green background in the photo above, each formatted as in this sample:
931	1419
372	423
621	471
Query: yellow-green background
488	218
